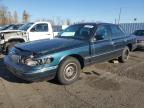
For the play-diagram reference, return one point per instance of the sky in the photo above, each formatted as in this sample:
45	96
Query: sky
77	10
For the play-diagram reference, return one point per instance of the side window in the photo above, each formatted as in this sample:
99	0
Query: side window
40	28
116	31
84	32
102	33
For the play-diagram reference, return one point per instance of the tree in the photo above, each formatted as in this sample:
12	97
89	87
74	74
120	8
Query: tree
15	17
58	20
9	18
68	22
26	16
3	15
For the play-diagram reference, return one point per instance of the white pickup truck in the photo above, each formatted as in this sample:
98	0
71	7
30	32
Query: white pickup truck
28	32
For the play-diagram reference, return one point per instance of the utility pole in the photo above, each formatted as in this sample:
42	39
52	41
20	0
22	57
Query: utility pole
115	21
119	16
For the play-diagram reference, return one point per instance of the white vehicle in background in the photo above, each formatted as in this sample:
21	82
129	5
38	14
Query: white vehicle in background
38	30
28	32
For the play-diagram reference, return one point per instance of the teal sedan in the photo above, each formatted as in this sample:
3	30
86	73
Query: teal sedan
66	55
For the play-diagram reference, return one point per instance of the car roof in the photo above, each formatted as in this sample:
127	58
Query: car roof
94	23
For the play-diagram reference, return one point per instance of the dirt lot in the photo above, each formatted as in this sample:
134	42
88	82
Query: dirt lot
104	85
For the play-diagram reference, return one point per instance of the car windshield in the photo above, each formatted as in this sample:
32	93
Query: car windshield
77	31
6	27
139	33
26	26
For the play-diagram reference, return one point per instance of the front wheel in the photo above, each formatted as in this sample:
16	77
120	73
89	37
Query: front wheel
125	55
69	71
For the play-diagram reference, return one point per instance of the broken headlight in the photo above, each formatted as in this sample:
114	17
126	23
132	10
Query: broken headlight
36	62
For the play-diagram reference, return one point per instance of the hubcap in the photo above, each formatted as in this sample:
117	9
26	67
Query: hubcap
126	55
70	71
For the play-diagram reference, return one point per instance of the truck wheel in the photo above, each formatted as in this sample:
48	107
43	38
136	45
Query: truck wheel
125	55
69	71
10	46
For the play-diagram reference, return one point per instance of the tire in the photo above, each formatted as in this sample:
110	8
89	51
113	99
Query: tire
69	71
125	55
10	46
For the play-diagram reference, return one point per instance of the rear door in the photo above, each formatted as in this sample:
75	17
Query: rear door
102	48
119	39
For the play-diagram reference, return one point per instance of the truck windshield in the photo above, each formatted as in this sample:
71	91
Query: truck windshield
6	27
77	31
26	26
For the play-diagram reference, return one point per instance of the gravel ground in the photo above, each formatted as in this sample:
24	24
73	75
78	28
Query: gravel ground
104	85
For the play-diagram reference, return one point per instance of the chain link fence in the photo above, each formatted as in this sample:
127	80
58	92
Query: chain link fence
129	28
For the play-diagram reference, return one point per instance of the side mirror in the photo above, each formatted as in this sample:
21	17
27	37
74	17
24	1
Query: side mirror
33	29
99	37
58	34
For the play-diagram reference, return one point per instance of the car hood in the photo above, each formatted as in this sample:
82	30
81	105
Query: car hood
50	46
10	31
13	33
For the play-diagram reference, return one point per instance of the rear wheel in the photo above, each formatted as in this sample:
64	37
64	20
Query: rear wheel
69	71
125	55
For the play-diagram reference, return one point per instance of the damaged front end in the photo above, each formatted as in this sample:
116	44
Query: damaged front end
8	36
30	66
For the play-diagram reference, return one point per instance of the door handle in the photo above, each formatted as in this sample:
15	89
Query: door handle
48	34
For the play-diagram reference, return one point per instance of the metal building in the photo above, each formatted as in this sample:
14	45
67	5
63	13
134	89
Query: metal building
129	28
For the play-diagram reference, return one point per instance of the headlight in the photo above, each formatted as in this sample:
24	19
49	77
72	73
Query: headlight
36	62
47	60
30	62
21	33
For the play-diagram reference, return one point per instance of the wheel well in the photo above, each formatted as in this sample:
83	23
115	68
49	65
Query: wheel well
79	58
130	47
16	40
12	40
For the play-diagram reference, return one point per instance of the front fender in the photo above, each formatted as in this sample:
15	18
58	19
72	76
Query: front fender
79	53
58	57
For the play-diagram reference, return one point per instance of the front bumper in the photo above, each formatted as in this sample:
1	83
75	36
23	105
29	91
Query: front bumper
32	74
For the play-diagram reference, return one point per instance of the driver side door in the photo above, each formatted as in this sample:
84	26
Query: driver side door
39	31
102	47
